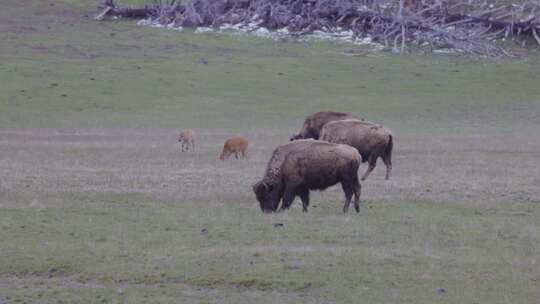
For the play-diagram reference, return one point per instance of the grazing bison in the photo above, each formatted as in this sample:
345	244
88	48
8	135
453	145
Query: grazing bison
234	145
187	139
314	123
371	141
304	165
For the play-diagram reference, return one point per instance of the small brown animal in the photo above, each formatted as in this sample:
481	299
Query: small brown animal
371	141
303	165
234	145
314	123
187	139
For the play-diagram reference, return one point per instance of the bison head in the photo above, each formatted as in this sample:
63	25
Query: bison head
268	196
295	137
306	134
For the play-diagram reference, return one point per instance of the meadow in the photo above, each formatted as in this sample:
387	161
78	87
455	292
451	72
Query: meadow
98	204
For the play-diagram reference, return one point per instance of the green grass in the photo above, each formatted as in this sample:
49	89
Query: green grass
393	252
73	72
96	236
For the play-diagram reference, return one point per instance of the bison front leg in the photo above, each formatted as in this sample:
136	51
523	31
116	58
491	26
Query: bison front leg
304	196
372	161
288	197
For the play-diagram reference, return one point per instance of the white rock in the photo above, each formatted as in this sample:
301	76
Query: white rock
262	32
254	28
283	31
37	204
203	29
144	22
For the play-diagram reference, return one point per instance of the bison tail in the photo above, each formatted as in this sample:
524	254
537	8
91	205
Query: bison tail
389	147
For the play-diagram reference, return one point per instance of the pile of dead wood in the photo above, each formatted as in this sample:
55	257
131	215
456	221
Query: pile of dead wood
468	26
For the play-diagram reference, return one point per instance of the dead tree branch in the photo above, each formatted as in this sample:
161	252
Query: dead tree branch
468	26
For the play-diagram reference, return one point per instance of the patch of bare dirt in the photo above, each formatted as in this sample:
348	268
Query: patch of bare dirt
466	169
187	291
21	29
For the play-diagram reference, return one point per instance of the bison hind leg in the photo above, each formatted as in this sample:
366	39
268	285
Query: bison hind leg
357	190
388	163
351	187
348	190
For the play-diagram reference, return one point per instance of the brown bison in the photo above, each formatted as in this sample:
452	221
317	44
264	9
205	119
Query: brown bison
314	123
234	145
187	139
371	141
304	165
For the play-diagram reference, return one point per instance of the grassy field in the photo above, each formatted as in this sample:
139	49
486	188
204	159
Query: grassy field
98	204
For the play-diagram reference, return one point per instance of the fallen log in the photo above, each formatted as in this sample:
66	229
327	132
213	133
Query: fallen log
497	24
136	13
110	9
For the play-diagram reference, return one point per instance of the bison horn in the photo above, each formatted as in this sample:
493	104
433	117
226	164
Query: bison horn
259	184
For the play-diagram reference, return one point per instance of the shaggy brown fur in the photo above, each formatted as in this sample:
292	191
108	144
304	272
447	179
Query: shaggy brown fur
234	145
187	139
371	141
304	165
314	123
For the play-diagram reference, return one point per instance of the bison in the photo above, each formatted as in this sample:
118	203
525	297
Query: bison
303	165
371	141
187	139
234	145
314	123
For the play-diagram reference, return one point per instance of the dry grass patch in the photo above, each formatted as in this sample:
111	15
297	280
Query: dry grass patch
471	169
